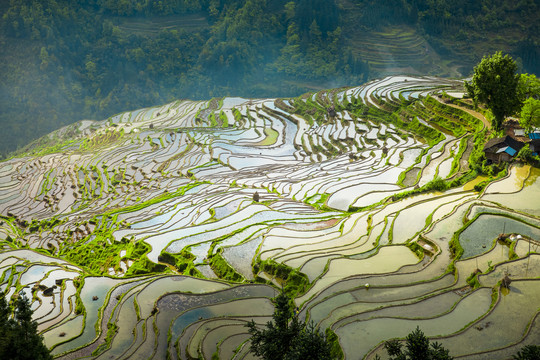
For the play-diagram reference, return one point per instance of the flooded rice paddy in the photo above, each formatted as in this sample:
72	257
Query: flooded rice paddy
160	232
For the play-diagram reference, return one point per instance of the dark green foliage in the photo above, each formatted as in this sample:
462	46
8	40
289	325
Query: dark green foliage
222	268
310	344
530	114
94	58
437	184
183	261
103	251
144	266
478	157
286	337
417	249
48	224
417	347
472	280
529	87
529	352
525	153
495	83
19	339
335	349
455	247
293	281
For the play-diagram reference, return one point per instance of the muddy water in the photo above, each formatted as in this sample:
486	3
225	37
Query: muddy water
505	325
374	331
527	200
394	258
486	228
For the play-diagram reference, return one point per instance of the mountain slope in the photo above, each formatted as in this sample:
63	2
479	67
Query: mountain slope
141	235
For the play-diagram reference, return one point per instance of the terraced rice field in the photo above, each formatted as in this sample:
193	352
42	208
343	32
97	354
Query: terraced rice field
143	237
153	25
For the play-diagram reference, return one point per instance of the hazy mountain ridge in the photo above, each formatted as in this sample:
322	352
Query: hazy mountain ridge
65	61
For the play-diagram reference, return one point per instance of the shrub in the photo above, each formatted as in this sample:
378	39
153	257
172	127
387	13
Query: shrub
18	334
417	347
529	352
286	337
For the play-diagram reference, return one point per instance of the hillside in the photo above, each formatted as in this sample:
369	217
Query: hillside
65	61
141	235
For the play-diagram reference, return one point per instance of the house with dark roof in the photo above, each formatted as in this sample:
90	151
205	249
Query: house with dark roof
502	149
534	145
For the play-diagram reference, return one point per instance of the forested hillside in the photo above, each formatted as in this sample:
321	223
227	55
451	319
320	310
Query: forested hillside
62	61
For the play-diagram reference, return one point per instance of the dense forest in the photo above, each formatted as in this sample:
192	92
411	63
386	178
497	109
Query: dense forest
63	61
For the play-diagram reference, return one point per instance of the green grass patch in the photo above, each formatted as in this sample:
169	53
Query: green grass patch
318	201
46	224
455	163
99	251
416	249
472	280
293	281
112	329
224	120
213	121
271	137
222	268
335	348
182	262
79	306
101	140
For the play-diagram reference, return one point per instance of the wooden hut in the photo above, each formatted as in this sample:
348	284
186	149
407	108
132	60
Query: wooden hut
502	149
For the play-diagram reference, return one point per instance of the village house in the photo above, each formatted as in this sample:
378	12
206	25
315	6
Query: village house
502	149
535	135
534	145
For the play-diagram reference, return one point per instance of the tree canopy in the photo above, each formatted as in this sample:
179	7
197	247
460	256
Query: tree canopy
530	114
529	93
529	352
528	87
19	339
495	83
286	337
417	347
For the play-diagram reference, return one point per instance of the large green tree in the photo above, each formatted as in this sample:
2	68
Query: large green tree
495	83
19	339
417	347
286	337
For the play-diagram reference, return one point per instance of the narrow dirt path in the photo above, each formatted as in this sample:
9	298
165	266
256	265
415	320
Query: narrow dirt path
476	114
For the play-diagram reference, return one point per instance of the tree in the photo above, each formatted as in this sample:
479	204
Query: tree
286	337
417	347
528	87
19	339
495	83
529	352
530	114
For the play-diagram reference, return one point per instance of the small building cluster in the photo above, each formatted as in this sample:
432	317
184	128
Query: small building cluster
506	148
502	149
